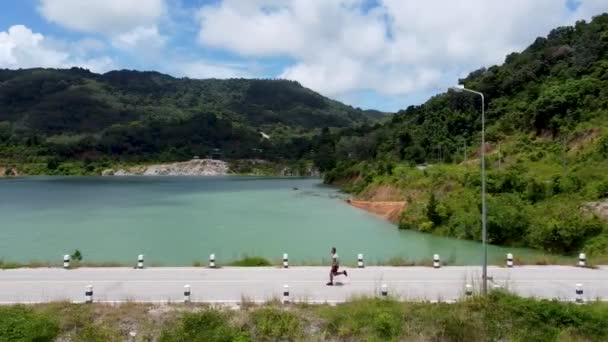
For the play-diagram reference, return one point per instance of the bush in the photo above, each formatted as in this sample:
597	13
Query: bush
507	219
274	324
562	228
19	323
251	262
205	326
365	319
597	246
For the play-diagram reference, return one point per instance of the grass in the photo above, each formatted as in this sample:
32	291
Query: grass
498	317
399	261
252	261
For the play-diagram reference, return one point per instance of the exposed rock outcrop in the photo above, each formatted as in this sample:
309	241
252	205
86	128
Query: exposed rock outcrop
598	208
195	167
8	171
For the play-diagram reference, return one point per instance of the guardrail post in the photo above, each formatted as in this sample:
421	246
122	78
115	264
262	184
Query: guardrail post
384	290
186	293
436	261
360	263
88	294
285	260
285	294
509	260
582	260
579	294
212	260
66	261
140	261
468	290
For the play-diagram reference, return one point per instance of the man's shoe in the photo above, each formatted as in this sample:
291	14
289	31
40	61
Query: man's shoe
330	284
345	274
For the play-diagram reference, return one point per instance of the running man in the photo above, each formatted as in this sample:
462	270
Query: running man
335	264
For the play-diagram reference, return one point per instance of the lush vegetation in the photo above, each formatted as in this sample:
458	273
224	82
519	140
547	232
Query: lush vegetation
73	121
498	317
547	149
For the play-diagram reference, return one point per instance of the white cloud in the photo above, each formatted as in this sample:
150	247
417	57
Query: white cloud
140	38
397	47
102	16
22	48
130	24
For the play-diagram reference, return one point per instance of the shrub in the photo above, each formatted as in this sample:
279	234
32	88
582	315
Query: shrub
205	326
18	323
274	324
248	261
562	228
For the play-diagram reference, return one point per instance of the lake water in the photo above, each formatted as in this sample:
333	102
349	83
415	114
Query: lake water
177	220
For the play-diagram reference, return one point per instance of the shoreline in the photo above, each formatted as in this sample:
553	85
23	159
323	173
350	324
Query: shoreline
388	210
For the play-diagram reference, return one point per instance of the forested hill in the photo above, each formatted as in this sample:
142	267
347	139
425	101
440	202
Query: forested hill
74	113
548	89
547	145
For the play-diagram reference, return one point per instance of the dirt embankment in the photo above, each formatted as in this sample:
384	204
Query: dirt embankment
385	201
387	210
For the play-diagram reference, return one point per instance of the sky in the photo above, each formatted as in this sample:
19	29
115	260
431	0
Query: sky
373	54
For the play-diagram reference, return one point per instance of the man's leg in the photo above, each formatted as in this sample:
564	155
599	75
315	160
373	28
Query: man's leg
331	277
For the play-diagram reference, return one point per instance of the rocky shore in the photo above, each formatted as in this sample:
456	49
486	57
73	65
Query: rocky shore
195	167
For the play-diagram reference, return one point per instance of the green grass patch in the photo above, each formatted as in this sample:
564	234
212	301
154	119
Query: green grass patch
252	261
20	323
206	326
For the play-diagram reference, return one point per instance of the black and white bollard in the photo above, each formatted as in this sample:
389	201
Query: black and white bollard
384	290
285	260
212	260
140	261
285	294
579	293
88	294
582	260
186	293
436	262
66	261
360	263
509	260
468	290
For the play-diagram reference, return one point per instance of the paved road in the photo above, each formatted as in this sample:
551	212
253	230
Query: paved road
231	285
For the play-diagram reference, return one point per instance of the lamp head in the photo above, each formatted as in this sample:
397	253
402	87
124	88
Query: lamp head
458	88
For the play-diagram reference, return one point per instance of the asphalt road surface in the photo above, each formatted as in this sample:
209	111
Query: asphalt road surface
257	284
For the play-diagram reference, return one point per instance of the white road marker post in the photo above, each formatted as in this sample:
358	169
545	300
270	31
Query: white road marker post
509	260
212	261
186	293
88	294
360	263
66	261
140	261
579	294
286	294
582	260
384	290
436	261
468	290
285	260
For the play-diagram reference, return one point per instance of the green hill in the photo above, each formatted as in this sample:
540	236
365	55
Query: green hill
54	114
547	134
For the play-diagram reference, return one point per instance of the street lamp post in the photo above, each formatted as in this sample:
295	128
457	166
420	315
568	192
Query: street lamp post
484	241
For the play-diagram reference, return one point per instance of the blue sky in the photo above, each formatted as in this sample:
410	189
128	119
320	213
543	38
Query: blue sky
380	54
